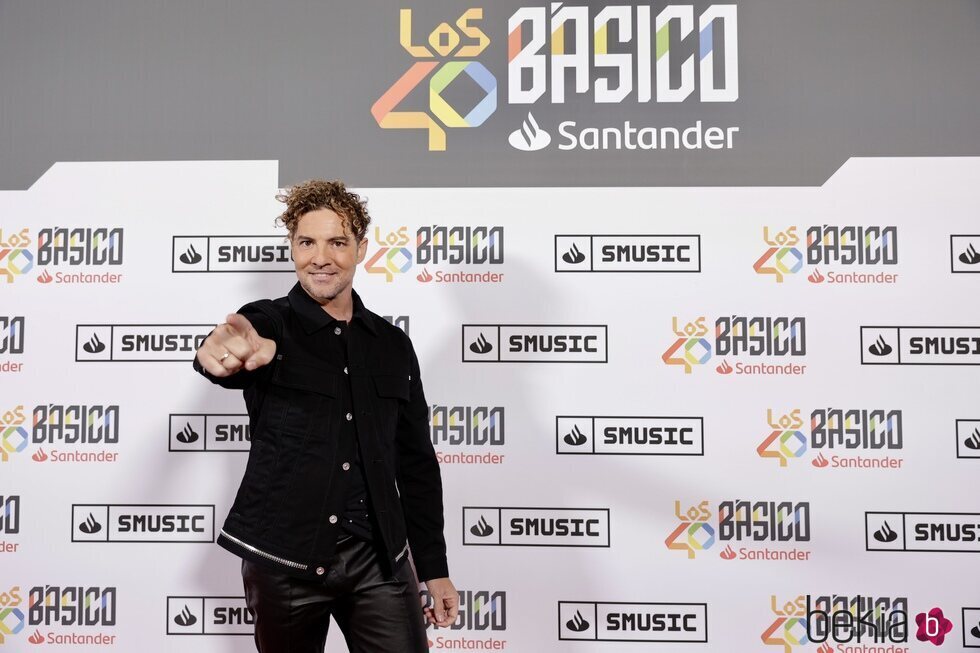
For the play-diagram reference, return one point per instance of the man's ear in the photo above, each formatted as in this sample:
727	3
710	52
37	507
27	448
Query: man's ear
361	249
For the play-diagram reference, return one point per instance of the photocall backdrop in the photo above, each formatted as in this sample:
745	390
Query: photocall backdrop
694	384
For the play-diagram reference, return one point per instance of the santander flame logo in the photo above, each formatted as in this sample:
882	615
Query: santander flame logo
424	276
815	277
577	624
724	368
187	435
575	437
970	256
820	461
573	256
879	347
90	526
45	277
481	346
530	137
728	553
185	618
94	345
973	442
36	638
482	528
885	534
39	456
190	256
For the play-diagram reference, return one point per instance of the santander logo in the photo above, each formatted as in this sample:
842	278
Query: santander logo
530	137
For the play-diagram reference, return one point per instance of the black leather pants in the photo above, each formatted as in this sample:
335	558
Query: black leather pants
376	615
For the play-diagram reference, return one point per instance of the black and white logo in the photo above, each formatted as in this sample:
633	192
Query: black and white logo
209	432
932	345
574	527
139	342
968	438
971	627
535	343
208	615
633	622
142	523
964	253
231	254
650	436
627	253
922	531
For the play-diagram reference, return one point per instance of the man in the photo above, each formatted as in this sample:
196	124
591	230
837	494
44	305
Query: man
342	480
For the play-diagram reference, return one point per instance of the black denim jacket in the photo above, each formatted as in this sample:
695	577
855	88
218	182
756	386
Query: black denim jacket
288	506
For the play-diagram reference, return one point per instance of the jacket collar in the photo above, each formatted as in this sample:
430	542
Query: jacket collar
313	317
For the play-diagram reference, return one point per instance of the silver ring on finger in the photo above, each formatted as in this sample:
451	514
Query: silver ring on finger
226	355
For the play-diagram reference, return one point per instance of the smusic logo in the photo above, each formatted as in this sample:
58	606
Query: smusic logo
627	253
535	343
650	436
633	622
209	432
142	523
209	615
147	343
901	345
231	254
964	253
922	531
571	527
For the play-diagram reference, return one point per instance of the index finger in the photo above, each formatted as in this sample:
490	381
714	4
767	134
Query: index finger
240	323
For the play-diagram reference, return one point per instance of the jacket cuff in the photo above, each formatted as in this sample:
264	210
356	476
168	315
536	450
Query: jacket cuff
429	568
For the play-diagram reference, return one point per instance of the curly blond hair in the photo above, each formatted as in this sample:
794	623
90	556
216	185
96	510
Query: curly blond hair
321	194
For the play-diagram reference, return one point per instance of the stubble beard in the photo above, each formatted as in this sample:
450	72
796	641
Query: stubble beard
323	295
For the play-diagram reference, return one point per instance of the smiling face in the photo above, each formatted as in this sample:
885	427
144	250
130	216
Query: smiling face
326	255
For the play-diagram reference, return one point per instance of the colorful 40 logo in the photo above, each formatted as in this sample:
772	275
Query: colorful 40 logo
444	41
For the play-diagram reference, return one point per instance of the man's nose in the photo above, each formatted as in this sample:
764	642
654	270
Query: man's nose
321	255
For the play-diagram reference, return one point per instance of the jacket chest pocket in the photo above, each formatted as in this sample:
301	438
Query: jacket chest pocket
392	392
300	396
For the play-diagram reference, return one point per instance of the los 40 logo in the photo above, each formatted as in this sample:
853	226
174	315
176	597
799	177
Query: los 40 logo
393	255
444	41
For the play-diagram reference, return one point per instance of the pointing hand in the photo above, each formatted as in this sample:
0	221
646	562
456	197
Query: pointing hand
235	345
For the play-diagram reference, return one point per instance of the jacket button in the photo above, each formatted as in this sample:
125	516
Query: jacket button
349	417
320	571
345	370
333	519
337	331
345	466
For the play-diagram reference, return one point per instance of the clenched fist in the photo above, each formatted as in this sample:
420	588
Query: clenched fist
234	345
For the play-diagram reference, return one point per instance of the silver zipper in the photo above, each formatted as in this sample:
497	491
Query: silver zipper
282	561
404	551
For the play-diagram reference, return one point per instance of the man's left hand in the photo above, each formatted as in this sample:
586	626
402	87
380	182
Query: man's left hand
445	602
